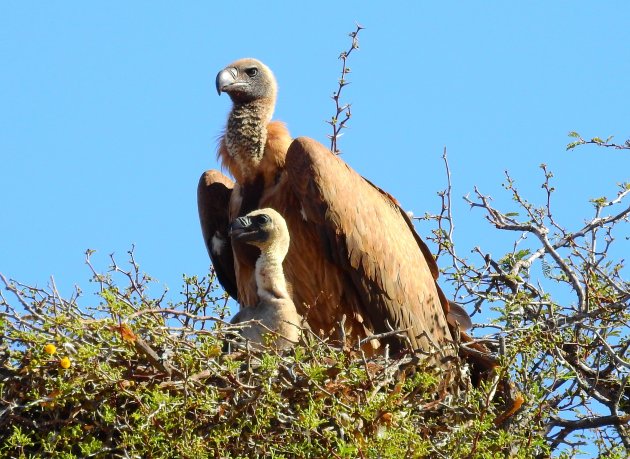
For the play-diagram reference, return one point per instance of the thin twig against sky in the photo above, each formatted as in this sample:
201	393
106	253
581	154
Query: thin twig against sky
342	110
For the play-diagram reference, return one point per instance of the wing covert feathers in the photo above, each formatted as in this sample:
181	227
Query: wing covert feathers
213	197
368	237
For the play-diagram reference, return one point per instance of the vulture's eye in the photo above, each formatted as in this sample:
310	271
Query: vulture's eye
252	72
262	219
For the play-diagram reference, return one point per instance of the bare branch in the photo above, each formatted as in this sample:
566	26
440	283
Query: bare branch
342	111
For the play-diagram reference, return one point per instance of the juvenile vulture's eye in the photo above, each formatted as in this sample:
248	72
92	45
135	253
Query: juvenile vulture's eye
252	72
262	219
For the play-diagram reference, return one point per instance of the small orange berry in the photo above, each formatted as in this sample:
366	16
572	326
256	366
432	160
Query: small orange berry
65	363
50	349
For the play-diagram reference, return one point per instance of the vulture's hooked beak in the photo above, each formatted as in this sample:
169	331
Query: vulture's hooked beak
226	78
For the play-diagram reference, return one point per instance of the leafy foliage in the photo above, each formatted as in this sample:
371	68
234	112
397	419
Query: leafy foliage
149	379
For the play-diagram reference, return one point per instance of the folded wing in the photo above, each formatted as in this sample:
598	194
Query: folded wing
213	198
364	232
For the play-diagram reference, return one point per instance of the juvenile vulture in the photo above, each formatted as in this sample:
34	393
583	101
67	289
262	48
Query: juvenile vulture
353	251
275	312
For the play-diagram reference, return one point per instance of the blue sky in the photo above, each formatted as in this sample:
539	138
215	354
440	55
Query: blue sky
108	113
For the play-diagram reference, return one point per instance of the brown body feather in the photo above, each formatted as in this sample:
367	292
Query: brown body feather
353	251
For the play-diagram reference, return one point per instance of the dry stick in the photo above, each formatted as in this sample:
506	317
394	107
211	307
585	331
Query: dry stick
174	312
592	225
399	333
599	142
611	352
591	423
451	224
143	348
337	125
505	223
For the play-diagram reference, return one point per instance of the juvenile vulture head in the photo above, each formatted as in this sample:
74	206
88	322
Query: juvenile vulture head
263	228
247	80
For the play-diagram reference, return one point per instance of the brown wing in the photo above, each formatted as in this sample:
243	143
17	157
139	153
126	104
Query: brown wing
213	199
456	315
364	232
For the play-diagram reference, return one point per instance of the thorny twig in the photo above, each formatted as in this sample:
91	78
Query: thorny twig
585	342
596	141
342	111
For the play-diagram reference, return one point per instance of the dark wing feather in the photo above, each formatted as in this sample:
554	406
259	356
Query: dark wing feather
369	237
213	198
458	317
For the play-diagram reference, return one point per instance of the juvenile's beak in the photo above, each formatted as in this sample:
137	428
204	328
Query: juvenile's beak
239	226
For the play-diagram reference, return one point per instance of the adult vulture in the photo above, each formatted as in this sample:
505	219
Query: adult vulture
353	251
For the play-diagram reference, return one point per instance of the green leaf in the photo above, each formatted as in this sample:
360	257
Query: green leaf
572	145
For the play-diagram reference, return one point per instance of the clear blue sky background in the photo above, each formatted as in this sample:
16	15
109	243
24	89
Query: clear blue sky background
108	113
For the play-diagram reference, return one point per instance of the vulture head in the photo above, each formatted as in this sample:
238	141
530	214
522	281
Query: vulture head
263	228
247	80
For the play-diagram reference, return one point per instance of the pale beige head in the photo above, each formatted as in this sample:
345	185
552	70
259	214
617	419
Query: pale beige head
263	228
247	80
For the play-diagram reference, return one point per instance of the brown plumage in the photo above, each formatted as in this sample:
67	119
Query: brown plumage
277	322
353	250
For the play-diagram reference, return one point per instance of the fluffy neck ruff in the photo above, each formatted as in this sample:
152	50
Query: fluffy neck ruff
246	133
270	279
